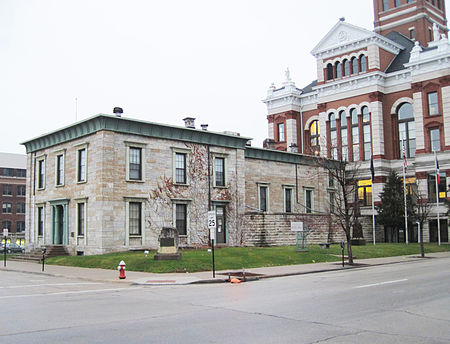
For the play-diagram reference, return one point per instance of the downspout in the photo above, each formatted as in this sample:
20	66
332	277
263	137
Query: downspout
209	179
301	128
296	182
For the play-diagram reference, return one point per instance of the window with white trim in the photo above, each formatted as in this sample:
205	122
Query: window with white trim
263	197
135	218
309	200
181	218
40	173
40	220
288	200
81	219
219	171
59	170
82	165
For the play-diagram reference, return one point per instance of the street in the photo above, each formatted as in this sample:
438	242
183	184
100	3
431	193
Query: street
397	303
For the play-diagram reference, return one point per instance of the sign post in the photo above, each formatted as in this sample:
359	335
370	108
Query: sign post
212	235
5	235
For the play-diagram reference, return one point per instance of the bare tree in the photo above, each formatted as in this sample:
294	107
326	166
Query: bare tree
421	210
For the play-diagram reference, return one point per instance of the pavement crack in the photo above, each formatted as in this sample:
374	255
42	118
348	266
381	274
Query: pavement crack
421	315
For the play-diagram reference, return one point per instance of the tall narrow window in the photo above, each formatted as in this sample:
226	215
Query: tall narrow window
20	226
308	201
180	168
435	140
81	173
406	130
219	171
21	190
367	137
7	208
333	137
20	208
344	136
81	218
40	221
263	198
135	163
41	174
346	68
135	218
281	136
330	72
7	190
355	134
338	70
355	68
288	200
181	218
433	108
412	34
363	63
314	132
365	192
332	202
59	169
397	3
385	5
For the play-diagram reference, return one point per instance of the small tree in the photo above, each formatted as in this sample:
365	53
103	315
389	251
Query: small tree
422	209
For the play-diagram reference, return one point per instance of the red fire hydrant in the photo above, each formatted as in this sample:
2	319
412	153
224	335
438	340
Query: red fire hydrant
121	269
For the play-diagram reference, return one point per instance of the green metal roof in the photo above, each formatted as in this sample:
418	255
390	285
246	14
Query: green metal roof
279	156
136	127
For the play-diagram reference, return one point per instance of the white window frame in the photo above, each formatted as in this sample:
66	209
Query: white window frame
129	200
37	207
39	159
79	148
225	165
267	186
305	190
288	187
174	216
77	219
187	152
63	177
130	145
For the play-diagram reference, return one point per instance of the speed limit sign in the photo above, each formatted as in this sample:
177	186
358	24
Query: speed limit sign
212	224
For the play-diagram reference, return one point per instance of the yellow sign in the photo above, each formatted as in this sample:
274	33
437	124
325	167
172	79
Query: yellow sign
443	194
364	182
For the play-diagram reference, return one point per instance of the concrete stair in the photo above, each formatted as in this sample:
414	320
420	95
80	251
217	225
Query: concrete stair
36	254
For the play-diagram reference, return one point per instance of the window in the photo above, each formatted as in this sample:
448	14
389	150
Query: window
344	136
308	201
21	173
21	190
135	163
330	71
363	63
314	132
181	218
82	164
59	169
346	68
406	130
333	136
355	69
20	208
365	192
433	108
331	201
263	201
219	171
6	225
41	174
288	200
338	70
438	4
7	208
7	190
397	3
81	218
355	134
8	172
20	226
442	187
412	34
435	140
180	168
40	221
385	5
281	136
367	137
135	218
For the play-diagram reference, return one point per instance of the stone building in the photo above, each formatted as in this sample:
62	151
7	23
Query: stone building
12	197
377	92
110	183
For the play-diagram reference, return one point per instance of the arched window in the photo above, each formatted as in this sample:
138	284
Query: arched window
367	137
355	134
355	69
338	70
330	72
314	133
344	135
346	68
406	129
333	137
363	63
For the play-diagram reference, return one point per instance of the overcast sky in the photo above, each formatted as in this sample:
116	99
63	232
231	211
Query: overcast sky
159	60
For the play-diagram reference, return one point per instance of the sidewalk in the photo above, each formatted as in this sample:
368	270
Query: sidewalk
145	278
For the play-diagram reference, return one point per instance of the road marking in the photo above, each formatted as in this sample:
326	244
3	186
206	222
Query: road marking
47	285
380	283
67	293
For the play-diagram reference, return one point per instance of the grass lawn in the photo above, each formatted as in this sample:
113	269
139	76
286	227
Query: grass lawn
231	258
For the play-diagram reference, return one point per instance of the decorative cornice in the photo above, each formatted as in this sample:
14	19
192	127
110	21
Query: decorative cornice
132	126
279	156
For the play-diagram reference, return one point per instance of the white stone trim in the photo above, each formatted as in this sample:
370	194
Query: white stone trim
398	102
376	121
267	186
291	132
127	219
445	91
142	146
284	188
225	167
397	14
187	153
310	120
174	217
80	147
418	119
85	235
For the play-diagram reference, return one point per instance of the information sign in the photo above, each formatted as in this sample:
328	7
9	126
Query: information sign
212	224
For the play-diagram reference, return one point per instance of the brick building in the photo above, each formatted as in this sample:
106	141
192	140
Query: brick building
110	183
377	91
12	196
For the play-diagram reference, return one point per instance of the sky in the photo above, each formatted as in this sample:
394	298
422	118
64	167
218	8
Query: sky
68	60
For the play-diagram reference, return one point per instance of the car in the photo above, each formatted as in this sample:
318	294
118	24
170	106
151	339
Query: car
12	248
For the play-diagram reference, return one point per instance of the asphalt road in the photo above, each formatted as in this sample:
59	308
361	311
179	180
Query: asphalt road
398	303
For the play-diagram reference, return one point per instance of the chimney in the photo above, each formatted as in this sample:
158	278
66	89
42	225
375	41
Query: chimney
269	144
118	111
189	122
204	127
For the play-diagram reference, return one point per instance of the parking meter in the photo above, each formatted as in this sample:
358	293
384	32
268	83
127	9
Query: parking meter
343	248
44	249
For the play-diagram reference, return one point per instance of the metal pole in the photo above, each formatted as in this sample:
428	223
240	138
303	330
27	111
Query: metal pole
4	252
404	193
373	215
437	202
214	266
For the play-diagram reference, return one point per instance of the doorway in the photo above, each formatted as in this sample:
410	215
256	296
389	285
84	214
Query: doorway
60	229
221	224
